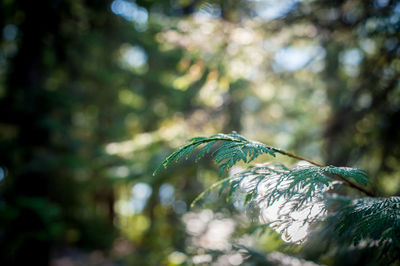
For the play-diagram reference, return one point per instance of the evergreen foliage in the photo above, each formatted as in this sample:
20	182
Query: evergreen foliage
371	222
234	148
299	189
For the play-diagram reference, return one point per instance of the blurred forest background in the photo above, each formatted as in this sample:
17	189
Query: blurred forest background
95	94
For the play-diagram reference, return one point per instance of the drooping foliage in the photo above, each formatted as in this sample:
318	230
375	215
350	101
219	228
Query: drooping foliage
374	219
305	189
233	148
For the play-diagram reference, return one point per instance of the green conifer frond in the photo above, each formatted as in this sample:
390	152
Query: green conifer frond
371	218
268	184
300	190
352	173
298	185
294	190
301	183
233	148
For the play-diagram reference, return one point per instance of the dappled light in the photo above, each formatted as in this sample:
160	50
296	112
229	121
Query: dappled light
146	132
130	11
133	57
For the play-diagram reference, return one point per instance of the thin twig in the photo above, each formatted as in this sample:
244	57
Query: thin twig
348	182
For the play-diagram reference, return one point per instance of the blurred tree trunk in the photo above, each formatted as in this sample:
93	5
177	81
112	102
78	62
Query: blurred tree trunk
27	108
